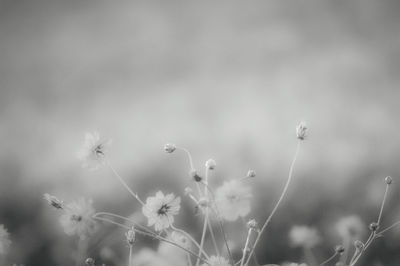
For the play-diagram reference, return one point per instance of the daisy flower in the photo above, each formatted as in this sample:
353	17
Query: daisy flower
93	151
5	241
233	200
350	227
217	261
304	236
77	219
160	210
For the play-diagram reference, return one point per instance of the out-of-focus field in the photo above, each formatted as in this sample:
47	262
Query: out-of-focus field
228	80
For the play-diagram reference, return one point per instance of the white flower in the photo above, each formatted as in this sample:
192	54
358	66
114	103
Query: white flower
303	236
350	227
77	219
233	200
5	241
217	261
93	152
160	210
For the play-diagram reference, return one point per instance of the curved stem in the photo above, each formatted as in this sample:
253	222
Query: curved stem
277	204
203	236
126	219
388	228
189	156
329	259
124	184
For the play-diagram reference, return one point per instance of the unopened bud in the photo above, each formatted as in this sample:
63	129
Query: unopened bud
388	180
130	236
339	249
251	174
53	201
89	262
211	164
195	176
373	226
203	202
252	224
301	131
169	148
359	245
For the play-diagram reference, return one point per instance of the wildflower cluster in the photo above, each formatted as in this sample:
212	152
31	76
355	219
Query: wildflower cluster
229	202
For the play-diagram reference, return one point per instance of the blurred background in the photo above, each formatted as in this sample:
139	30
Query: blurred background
228	80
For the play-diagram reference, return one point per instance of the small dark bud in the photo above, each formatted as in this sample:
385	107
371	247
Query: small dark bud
195	176
373	226
339	249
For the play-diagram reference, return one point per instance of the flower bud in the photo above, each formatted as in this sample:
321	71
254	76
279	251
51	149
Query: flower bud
252	224
388	180
211	164
301	131
339	249
169	148
89	262
193	173
130	236
373	226
251	174
359	245
53	201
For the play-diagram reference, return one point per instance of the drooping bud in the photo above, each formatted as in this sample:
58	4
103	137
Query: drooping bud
169	148
301	131
252	224
388	180
193	173
211	164
359	245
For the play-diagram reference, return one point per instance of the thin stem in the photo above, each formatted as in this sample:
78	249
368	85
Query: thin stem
246	245
277	204
130	255
213	238
388	228
329	259
203	235
121	180
189	156
383	204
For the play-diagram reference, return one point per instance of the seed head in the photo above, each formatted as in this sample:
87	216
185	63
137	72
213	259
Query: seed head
193	173
53	201
169	148
373	226
251	174
301	131
130	236
89	262
211	164
339	249
388	180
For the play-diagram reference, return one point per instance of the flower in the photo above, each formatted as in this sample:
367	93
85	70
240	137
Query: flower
251	174
160	210
350	227
53	201
5	241
233	200
303	236
301	131
93	152
77	219
217	261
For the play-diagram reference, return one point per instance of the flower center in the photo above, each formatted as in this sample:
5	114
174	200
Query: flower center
76	218
163	210
98	150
